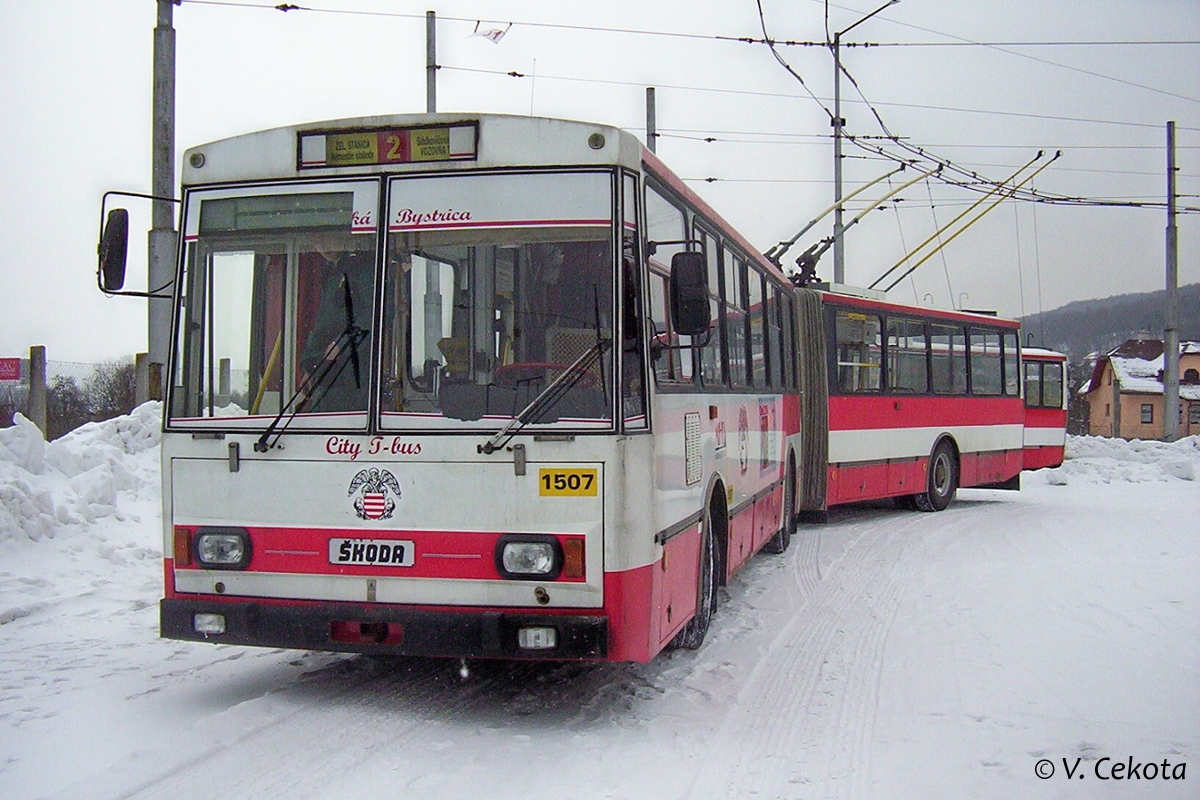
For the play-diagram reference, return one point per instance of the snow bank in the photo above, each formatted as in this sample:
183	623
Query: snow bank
1098	459
75	480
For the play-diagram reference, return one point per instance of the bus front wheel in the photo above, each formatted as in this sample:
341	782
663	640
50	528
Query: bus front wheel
692	635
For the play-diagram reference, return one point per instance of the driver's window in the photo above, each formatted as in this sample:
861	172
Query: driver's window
433	347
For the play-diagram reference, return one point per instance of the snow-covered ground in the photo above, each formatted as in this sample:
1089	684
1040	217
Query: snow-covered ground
888	654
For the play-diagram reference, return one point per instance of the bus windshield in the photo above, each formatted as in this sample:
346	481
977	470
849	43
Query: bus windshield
494	286
276	303
480	323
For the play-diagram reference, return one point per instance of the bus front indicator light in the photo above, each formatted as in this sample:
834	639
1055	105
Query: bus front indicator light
573	558
183	547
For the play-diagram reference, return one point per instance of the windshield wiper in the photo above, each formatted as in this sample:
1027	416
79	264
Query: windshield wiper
347	342
549	396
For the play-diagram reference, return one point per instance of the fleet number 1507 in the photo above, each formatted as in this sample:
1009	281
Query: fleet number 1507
567	482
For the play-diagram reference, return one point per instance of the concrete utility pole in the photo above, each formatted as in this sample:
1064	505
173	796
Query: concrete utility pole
162	229
37	387
651	121
1171	332
839	255
430	62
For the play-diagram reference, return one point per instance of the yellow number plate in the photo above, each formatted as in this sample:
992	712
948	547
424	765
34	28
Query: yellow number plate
568	482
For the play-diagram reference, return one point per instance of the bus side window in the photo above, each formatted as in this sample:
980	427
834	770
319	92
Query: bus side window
756	310
665	358
789	341
906	357
1033	384
1052	385
712	372
948	357
665	222
775	329
1012	379
633	324
735	320
986	364
858	353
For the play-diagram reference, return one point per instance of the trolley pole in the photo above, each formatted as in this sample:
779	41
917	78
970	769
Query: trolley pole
161	248
651	121
1171	332
430	62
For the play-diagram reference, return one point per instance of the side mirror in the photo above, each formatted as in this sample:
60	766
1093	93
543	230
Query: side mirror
114	246
689	295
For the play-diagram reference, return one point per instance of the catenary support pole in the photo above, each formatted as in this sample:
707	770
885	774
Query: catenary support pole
161	245
839	256
1171	331
430	62
651	121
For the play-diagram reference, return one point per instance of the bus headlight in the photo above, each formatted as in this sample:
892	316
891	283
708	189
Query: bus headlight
529	557
222	548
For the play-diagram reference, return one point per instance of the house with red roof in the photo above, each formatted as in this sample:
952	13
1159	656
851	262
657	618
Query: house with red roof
1124	395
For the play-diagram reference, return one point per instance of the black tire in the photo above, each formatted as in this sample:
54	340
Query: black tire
783	537
943	479
693	633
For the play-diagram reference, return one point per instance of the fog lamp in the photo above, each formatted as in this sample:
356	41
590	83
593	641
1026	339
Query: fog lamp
209	624
537	638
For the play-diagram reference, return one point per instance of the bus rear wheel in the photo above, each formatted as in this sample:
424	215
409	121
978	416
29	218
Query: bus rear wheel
692	635
943	479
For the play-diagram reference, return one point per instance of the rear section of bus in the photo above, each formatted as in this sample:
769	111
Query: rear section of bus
1045	383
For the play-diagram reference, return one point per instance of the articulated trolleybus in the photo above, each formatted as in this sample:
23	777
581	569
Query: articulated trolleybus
498	387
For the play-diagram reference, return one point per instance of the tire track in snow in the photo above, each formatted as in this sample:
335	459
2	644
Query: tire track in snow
803	720
348	718
243	735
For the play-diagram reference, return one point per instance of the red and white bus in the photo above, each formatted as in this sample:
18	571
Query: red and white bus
503	387
919	402
1045	407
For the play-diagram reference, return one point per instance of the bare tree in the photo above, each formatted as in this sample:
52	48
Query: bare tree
110	390
66	407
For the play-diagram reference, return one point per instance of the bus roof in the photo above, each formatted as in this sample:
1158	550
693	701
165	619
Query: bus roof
837	298
501	141
1043	354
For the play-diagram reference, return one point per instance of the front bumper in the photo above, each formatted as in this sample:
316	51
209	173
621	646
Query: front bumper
349	628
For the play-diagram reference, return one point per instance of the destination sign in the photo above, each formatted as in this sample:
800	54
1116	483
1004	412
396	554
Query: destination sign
381	146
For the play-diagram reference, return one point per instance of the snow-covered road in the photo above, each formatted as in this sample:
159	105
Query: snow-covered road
888	654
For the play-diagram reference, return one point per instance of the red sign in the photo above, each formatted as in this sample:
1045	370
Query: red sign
10	369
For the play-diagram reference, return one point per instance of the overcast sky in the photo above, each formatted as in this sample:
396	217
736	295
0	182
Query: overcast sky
75	91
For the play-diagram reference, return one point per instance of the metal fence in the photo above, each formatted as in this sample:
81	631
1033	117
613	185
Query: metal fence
75	393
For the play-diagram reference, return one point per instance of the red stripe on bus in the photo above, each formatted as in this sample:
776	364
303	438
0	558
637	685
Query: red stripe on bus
517	223
1045	418
859	412
457	555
